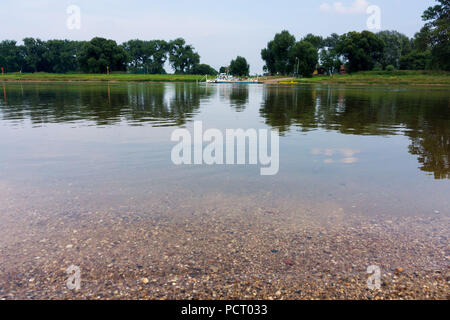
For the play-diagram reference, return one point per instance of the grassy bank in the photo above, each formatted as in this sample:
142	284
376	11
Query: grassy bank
363	78
383	78
100	77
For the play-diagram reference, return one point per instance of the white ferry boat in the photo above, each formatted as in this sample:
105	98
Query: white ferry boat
226	78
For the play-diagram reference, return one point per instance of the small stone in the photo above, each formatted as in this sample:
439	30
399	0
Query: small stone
214	269
399	270
69	246
289	262
274	251
145	280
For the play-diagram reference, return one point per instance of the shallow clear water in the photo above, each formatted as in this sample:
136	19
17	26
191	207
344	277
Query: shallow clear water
370	149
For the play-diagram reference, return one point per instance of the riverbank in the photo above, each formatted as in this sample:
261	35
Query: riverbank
359	78
381	78
121	77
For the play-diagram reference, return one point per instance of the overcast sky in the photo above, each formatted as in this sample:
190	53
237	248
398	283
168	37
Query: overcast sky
219	30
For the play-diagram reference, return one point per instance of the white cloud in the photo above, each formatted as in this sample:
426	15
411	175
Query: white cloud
358	6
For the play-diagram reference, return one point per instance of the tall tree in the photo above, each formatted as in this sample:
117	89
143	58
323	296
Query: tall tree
331	41
34	55
316	41
420	57
330	59
61	55
12	57
147	56
99	54
276	55
396	46
421	40
437	26
158	51
135	50
182	57
361	50
239	67
306	57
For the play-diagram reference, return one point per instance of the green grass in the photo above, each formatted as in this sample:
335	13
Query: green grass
101	77
400	77
367	77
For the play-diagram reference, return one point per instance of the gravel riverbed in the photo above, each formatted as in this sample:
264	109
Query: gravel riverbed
220	247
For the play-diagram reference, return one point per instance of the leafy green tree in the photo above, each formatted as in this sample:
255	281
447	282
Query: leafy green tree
146	56
135	50
422	40
34	50
330	59
100	53
306	57
316	41
239	67
223	70
11	56
61	56
331	41
157	51
437	26
361	49
204	69
182	57
396	46
416	60
276	55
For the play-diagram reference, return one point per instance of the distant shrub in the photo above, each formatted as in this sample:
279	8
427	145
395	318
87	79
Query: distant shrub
377	67
390	68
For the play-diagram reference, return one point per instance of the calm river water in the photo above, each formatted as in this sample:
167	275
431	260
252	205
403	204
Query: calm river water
380	149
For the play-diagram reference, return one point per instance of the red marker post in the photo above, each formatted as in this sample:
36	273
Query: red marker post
3	70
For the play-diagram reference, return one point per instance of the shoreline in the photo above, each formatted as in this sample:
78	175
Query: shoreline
49	77
272	82
420	78
398	78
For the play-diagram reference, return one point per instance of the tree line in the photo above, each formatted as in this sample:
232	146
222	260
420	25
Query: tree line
429	49
101	55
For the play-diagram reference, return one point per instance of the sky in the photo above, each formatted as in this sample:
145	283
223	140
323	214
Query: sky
219	30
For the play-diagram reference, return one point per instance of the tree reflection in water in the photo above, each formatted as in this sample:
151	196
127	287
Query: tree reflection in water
422	115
